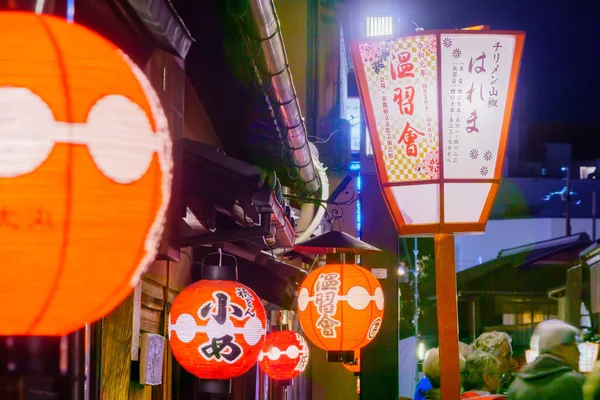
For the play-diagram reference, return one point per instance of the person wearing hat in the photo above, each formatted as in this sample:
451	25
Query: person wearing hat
553	374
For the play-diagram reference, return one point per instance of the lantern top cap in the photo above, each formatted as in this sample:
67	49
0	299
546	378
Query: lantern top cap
335	242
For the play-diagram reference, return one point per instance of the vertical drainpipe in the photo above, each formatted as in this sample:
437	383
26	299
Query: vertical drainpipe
273	72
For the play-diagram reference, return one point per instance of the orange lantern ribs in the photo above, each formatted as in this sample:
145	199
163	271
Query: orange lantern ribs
85	165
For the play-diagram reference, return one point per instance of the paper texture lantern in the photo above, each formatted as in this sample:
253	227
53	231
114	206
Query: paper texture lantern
438	108
340	307
284	355
85	175
217	329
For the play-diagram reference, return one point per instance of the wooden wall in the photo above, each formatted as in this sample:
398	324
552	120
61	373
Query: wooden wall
147	309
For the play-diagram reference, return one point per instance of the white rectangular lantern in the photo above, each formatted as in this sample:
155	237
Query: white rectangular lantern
438	108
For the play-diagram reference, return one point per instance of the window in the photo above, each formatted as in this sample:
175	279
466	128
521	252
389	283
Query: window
379	26
509	319
584	172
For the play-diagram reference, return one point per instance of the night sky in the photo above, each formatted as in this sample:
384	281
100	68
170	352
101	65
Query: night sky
559	79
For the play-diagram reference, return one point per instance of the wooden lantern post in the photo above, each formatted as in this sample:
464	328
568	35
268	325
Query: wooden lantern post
438	108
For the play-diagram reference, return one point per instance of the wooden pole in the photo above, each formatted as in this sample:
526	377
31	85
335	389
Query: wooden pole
447	315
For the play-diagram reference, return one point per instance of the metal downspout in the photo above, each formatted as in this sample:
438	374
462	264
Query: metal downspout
277	80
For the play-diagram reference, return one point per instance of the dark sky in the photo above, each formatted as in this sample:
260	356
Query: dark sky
560	74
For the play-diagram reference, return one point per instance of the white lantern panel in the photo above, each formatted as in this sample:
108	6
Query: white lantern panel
476	71
419	204
464	202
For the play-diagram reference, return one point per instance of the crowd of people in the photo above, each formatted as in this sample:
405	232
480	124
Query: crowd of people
488	369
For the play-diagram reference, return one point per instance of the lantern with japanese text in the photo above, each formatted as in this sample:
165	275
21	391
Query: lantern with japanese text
438	107
340	307
217	327
284	355
354	366
85	175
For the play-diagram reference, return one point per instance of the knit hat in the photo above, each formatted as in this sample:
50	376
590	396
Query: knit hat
552	333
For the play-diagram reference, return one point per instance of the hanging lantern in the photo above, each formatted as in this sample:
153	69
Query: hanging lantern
340	307
354	366
284	355
217	327
85	175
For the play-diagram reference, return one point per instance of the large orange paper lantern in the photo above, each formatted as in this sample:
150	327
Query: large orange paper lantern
85	175
340	307
284	355
217	329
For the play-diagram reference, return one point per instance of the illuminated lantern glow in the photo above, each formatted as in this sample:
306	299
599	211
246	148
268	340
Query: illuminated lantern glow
340	307
355	366
217	329
438	108
284	355
85	175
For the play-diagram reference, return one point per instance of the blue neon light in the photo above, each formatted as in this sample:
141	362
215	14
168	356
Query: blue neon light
70	10
358	218
358	183
355	166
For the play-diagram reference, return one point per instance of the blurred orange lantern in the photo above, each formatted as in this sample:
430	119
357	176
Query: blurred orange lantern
284	355
217	329
340	307
354	366
85	175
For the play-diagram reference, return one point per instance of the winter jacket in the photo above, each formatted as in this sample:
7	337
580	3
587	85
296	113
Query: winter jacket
547	378
433	394
422	387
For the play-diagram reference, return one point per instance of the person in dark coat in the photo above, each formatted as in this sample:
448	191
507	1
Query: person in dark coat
553	374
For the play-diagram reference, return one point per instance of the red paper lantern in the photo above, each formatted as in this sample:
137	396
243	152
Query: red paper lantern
355	366
284	355
217	329
340	307
85	175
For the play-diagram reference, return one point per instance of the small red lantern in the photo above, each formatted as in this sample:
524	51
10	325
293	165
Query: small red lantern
217	328
340	307
284	355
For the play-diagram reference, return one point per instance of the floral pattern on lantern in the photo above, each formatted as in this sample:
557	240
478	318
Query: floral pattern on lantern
217	329
85	175
340	307
284	355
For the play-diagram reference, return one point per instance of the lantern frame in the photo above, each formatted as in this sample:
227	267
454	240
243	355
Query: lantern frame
406	227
